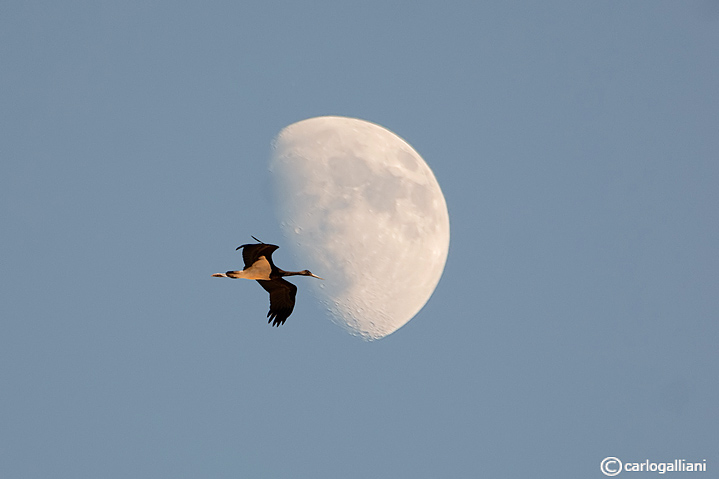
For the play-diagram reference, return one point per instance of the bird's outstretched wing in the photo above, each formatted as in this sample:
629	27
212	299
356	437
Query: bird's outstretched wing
252	252
282	299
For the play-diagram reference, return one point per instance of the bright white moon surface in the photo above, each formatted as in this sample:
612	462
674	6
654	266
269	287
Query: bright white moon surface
363	210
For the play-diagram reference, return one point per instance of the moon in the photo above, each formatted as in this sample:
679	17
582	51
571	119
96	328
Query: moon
362	209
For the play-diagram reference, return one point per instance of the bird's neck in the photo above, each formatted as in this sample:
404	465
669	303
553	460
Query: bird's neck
290	273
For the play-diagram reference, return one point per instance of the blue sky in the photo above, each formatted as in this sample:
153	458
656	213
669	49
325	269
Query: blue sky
576	145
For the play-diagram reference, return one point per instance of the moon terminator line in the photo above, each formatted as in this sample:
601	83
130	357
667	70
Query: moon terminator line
259	266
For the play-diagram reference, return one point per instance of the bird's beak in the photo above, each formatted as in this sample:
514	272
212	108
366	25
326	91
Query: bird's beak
315	276
219	275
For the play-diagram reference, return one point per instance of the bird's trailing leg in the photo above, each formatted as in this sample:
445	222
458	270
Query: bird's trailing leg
229	274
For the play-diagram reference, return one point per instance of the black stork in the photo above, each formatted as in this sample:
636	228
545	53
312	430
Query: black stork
259	266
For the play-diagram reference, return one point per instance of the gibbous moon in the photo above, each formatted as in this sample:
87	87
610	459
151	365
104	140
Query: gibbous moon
364	211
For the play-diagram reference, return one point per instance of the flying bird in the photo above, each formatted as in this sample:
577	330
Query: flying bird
259	266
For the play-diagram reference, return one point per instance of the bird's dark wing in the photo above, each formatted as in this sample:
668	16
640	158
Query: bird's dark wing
251	252
282	299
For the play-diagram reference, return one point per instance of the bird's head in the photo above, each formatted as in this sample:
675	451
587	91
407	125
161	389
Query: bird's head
308	273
